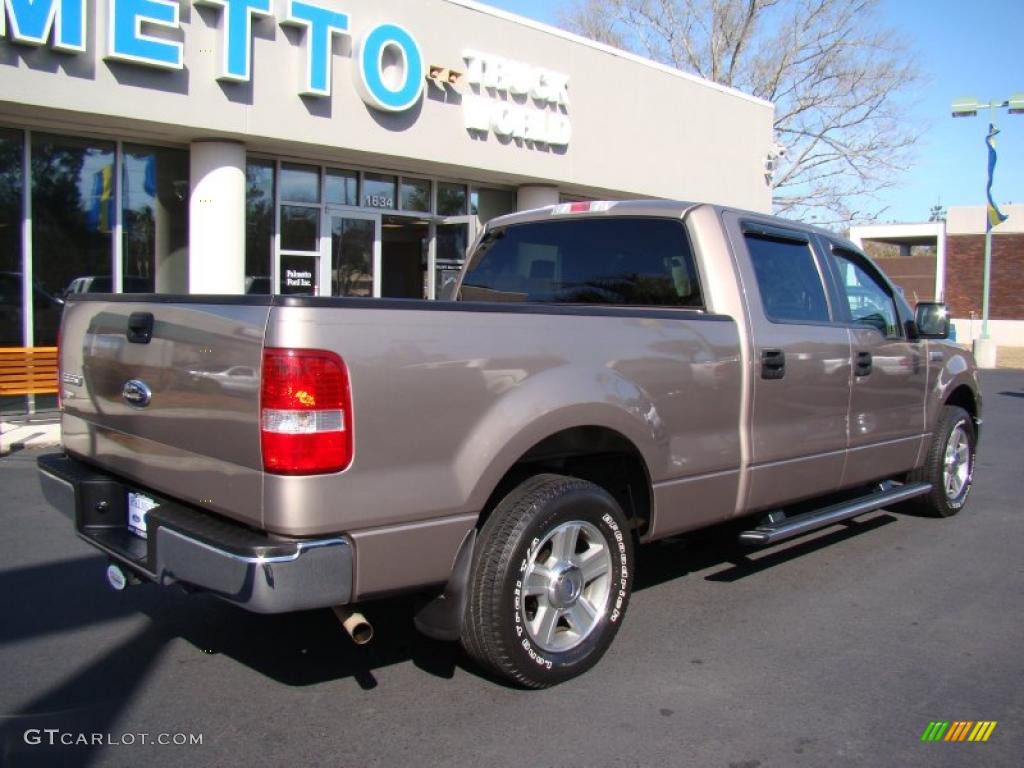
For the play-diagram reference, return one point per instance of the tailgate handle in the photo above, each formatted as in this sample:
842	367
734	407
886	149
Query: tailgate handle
140	327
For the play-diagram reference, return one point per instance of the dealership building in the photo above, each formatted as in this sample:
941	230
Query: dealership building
945	261
325	147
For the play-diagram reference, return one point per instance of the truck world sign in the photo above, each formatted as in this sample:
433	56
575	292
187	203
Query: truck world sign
388	66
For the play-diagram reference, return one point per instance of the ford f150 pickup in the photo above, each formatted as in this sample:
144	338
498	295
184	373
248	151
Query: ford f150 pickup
608	375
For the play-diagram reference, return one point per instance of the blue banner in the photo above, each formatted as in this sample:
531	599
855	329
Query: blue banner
994	216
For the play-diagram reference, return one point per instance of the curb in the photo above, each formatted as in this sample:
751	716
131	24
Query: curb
17	437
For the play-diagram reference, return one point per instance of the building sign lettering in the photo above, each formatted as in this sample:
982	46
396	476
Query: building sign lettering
236	35
512	99
516	100
32	21
127	40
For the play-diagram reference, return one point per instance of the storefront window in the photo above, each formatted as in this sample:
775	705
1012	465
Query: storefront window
259	224
451	199
73	217
155	220
488	203
12	185
341	187
416	195
378	191
347	244
300	183
300	228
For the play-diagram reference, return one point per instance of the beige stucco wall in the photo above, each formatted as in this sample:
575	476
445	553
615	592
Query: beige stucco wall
970	220
637	129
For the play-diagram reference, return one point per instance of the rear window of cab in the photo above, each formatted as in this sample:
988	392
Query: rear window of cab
621	261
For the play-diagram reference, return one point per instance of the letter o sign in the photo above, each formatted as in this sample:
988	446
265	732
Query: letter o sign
390	69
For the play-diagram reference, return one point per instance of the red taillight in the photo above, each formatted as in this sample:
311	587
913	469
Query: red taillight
305	412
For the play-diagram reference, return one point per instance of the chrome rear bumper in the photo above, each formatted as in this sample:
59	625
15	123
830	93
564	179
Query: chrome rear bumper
189	546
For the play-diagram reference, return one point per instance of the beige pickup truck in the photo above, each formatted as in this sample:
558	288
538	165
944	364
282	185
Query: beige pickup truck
609	374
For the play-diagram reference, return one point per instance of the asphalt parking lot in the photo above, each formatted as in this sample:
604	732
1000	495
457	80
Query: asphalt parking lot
837	649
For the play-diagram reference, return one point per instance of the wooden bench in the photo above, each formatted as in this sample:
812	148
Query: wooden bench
28	370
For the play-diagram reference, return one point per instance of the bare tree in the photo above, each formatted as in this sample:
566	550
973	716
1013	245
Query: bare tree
835	75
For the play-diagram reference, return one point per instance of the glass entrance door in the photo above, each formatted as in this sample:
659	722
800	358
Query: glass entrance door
405	254
381	255
352	266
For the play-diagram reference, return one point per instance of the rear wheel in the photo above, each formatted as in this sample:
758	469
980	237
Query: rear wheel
949	465
551	577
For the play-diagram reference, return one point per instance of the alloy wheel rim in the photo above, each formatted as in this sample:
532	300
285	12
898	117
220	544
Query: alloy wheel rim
566	586
956	473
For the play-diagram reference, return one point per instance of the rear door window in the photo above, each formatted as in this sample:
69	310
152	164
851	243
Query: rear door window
788	279
625	261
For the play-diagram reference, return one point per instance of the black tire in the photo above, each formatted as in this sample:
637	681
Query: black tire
540	636
954	434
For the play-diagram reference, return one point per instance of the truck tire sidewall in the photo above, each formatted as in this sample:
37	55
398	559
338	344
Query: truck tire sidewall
588	504
956	417
937	503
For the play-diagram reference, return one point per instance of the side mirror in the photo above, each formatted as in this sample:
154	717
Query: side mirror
932	320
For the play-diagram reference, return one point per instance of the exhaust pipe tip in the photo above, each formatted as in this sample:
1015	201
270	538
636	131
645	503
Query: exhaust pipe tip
355	624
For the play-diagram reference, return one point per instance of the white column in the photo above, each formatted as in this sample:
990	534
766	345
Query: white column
535	196
216	216
940	263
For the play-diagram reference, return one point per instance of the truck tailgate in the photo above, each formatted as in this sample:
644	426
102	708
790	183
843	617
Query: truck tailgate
188	423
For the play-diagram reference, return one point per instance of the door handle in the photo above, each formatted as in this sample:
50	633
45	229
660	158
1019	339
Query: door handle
773	363
862	366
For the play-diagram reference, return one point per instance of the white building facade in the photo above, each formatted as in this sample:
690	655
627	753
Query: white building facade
328	147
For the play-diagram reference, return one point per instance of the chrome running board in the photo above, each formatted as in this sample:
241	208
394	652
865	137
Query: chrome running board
772	533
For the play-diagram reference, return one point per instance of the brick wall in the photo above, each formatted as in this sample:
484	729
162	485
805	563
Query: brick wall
965	260
914	274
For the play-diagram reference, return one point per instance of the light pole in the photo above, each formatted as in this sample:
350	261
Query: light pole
984	347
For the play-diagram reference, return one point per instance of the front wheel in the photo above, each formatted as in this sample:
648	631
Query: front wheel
949	465
551	578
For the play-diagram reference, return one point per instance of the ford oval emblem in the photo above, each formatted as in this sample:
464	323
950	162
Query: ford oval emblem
136	393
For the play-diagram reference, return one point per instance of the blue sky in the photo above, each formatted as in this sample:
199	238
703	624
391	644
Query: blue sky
963	49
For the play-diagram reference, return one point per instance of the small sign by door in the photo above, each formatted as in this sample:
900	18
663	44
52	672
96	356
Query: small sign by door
298	276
